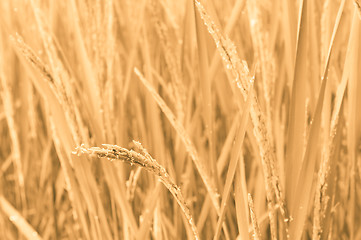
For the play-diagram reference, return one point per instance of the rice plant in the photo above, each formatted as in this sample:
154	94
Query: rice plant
192	119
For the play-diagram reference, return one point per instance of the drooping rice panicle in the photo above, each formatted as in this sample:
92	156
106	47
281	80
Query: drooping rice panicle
144	160
243	79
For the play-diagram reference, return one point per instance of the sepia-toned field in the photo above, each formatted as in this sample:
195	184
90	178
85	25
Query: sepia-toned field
188	119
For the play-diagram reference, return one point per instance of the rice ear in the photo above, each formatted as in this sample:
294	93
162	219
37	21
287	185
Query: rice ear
243	80
144	160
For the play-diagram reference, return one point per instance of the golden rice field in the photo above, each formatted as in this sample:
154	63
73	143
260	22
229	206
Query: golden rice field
188	119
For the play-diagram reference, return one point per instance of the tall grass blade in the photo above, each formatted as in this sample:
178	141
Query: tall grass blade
295	138
235	155
306	184
321	199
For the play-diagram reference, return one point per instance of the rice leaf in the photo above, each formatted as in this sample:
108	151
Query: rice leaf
306	184
295	138
18	220
234	161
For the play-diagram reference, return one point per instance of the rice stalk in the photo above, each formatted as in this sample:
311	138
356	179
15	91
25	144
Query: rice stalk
357	4
206	91
63	83
289	32
90	81
131	59
240	198
71	185
144	160
354	118
256	231
132	183
169	49
325	29
295	135
146	218
18	220
9	112
264	55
